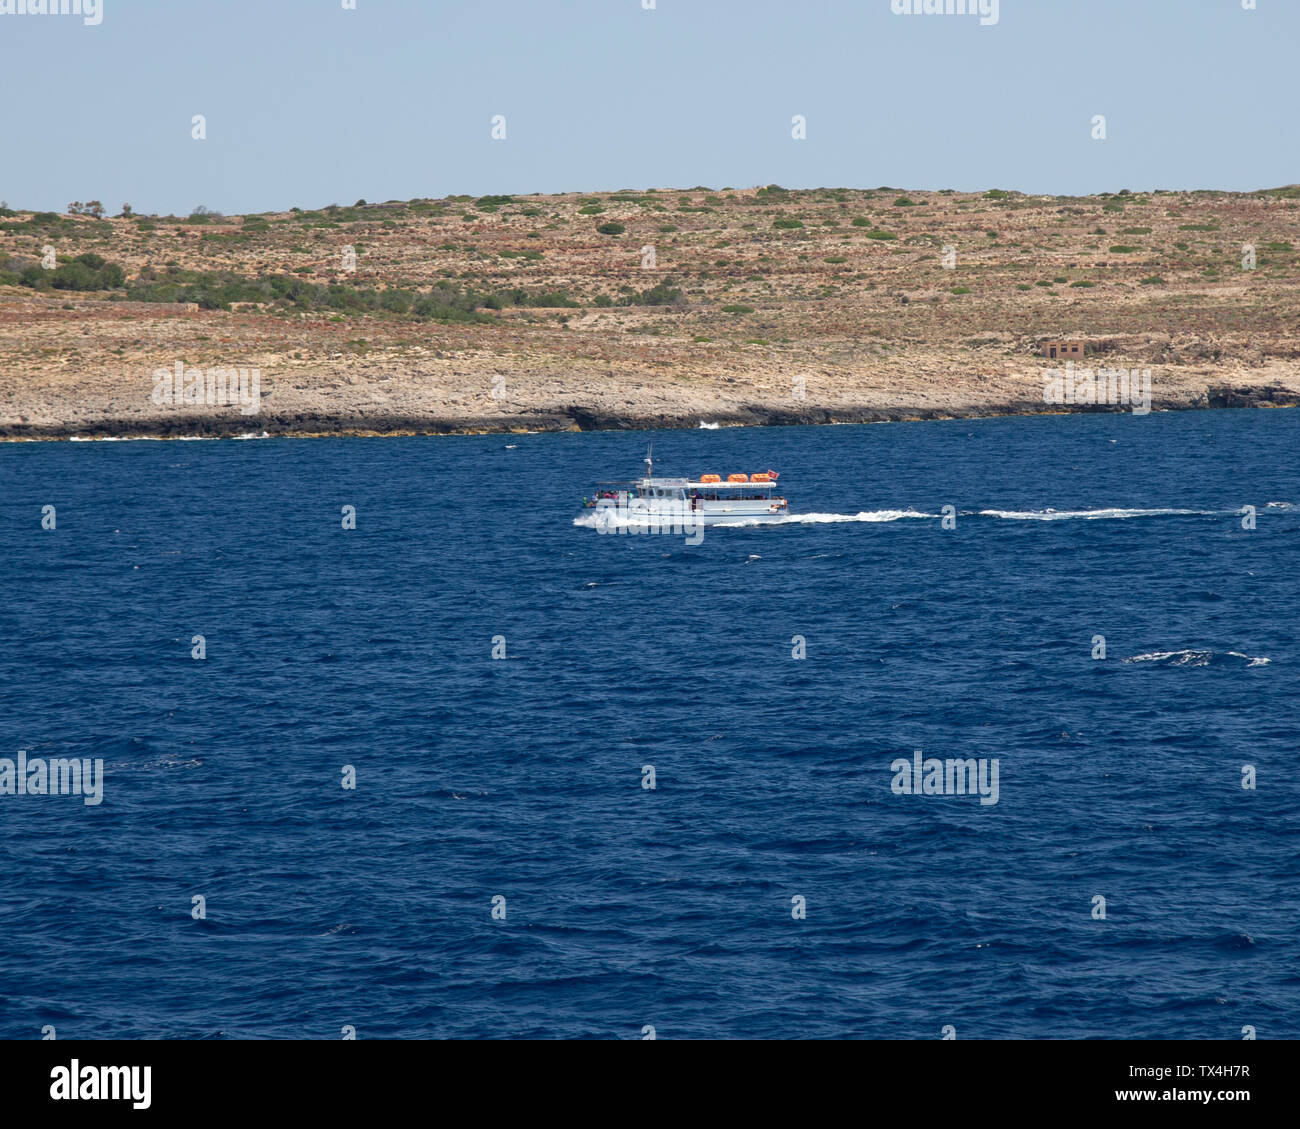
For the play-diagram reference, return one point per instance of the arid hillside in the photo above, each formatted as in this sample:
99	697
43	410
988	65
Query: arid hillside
643	308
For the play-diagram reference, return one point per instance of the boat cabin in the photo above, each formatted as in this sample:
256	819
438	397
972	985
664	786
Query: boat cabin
709	488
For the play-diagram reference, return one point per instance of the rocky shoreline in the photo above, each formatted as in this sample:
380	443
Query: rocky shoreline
224	425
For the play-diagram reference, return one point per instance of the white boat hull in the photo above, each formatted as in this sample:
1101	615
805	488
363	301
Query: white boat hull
712	513
666	513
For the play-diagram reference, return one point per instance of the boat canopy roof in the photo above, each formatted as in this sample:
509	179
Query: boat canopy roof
688	484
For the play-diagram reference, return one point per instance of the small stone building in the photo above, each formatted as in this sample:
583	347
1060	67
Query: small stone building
1063	350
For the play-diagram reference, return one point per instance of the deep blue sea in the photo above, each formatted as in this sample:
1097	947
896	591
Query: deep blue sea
773	883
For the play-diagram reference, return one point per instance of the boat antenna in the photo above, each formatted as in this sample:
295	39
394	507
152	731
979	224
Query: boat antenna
649	460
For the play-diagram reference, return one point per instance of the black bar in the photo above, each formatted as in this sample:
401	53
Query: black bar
617	1081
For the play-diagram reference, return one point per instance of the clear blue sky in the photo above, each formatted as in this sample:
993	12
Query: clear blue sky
308	104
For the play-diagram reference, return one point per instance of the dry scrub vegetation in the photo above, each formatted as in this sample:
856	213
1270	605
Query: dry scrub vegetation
510	312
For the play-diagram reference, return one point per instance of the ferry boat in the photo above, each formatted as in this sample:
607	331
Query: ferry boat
710	499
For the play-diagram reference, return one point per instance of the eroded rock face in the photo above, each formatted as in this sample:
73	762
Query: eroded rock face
1252	396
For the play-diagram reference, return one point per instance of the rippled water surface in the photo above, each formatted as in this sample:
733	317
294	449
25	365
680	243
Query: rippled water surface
522	777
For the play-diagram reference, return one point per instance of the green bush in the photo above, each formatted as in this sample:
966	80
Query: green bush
86	272
611	229
551	300
787	223
397	301
737	308
215	290
664	294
